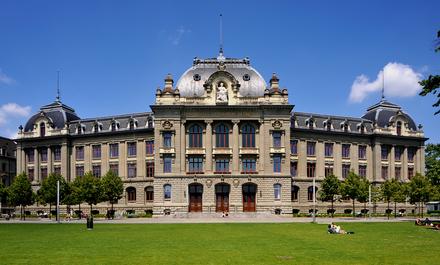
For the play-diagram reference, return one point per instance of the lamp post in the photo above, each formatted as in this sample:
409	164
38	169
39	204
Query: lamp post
58	201
369	201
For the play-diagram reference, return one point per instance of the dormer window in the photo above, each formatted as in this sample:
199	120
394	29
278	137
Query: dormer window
344	127
150	123
328	126
113	127
399	128
362	129
132	124
309	123
96	128
42	129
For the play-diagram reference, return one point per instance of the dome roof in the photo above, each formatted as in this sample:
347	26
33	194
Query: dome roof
383	113
191	82
57	113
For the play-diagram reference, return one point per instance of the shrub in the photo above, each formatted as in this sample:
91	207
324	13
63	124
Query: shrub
388	211
331	211
295	211
347	211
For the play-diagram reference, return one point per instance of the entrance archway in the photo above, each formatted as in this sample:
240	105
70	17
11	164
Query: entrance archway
222	197
195	197
249	196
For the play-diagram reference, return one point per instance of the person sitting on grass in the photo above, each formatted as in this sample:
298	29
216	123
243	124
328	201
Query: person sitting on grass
336	229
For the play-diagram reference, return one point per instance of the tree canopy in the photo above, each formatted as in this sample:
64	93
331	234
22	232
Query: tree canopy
330	187
21	193
112	188
350	188
48	190
432	163
432	83
91	189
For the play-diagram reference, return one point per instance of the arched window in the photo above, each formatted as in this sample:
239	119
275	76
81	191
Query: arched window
310	193
42	129
222	136
248	135
167	191
131	194
277	191
149	194
399	128
195	136
295	192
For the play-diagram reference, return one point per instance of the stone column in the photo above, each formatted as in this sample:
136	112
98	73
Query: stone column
320	160
422	159
37	165
87	158
354	159
370	163
49	160
392	165
182	159
208	147
235	148
377	162
337	154
265	139
404	170
105	153
302	159
65	162
123	160
140	159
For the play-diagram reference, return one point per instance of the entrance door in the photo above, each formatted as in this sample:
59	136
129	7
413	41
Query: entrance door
195	197
249	194
222	197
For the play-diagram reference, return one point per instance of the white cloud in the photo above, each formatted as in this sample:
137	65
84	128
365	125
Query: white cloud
4	79
11	115
400	81
177	36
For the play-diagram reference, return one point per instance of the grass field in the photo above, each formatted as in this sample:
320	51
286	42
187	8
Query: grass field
295	243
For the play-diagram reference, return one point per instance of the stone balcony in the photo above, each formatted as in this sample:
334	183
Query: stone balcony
222	151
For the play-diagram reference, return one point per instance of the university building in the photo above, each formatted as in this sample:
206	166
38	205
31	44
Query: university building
221	139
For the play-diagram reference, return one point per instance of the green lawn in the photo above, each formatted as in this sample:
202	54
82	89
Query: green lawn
372	243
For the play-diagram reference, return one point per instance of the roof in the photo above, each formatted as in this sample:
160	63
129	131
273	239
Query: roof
384	111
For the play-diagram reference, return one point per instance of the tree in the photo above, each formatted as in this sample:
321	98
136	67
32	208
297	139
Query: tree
432	83
91	190
400	195
112	187
350	188
47	193
20	193
432	162
419	190
364	192
330	187
74	194
389	190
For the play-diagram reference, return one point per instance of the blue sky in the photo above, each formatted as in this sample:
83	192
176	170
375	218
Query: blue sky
114	54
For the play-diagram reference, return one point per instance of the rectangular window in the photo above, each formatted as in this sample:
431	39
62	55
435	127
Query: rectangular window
79	171
150	169
411	153
293	169
30	154
31	175
385	172
222	165
384	152
96	151
345	170
277	191
410	172
149	147
277	163
57	153
131	149
362	152
114	150
311	168
195	164
96	171
398	153
345	151
167	164
328	149
311	148
328	169
114	168
276	139
167	139
79	153
294	147
43	174
57	170
131	170
398	173
363	171
249	165
43	155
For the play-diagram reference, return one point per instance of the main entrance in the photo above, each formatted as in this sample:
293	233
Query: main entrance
249	194
195	197
222	197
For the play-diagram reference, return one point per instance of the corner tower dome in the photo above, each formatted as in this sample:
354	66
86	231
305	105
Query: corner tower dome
384	114
191	83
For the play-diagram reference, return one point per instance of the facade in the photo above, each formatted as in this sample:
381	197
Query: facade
221	140
7	166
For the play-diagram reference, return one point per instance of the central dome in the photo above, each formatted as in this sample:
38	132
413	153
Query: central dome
191	82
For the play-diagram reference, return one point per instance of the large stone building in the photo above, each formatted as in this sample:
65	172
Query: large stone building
221	139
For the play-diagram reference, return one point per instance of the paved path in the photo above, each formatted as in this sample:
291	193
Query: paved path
209	219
